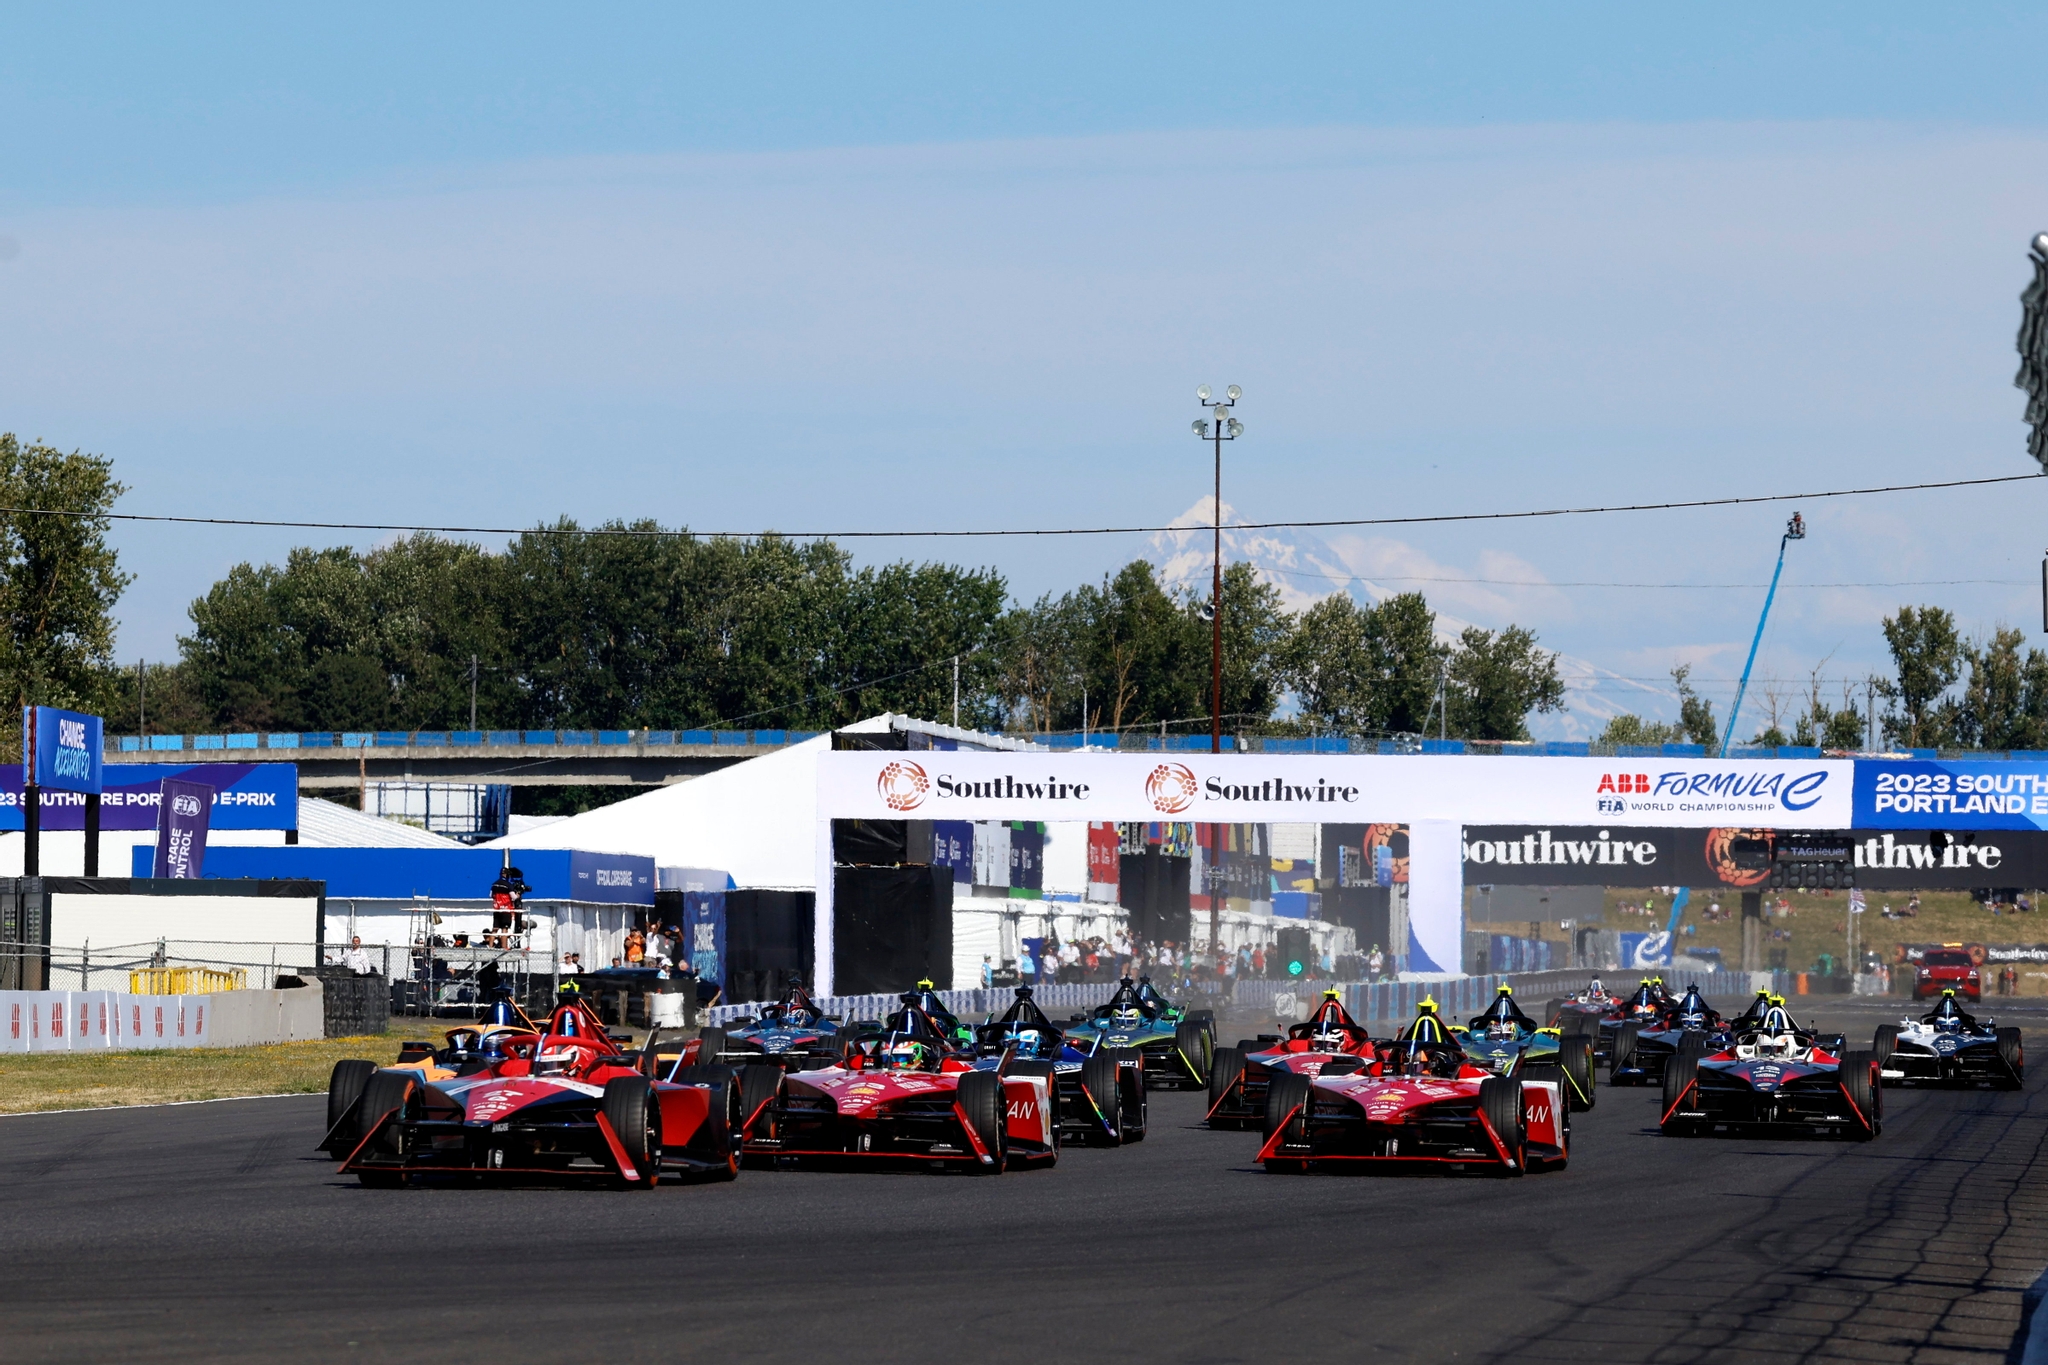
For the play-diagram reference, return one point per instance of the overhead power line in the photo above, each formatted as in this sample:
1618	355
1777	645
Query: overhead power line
1567	583
660	534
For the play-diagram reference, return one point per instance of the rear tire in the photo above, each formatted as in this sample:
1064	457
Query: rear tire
344	1087
1859	1073
2013	1055
1624	1054
1101	1080
1552	1012
1196	1047
628	1106
1500	1101
1131	1080
1884	1043
1224	1074
980	1097
1680	1071
1575	1060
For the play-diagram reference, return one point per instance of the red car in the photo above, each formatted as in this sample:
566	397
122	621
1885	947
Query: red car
560	1101
1331	1043
905	1098
1947	968
1421	1104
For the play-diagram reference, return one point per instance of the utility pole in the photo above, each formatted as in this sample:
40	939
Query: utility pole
1870	710
472	691
956	691
1223	427
141	703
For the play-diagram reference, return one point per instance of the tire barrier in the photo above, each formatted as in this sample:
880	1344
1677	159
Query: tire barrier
352	1005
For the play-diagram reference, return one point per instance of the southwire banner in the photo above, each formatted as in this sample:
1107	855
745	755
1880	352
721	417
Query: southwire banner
246	796
1433	795
1612	855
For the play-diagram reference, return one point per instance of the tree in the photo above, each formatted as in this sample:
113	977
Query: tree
59	579
1256	631
1632	729
1496	680
1825	726
2005	701
1928	653
1365	670
1695	713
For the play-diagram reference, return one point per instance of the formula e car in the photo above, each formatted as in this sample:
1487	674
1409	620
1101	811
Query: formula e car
1643	1045
1422	1104
1098	1092
1330	1043
1948	1046
792	1033
1775	1076
1508	1042
561	1101
905	1097
1177	1046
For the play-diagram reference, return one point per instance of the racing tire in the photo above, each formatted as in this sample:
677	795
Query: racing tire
1680	1071
1859	1083
1102	1079
1287	1094
1624	1054
1884	1043
1131	1076
711	1046
1553	1011
980	1097
1247	1046
1225	1071
1197	1049
717	1142
1575	1063
628	1106
344	1087
2013	1055
1500	1103
759	1086
386	1091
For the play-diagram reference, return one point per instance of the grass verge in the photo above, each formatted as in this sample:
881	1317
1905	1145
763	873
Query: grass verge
89	1080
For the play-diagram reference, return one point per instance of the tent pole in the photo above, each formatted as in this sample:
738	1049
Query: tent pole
821	917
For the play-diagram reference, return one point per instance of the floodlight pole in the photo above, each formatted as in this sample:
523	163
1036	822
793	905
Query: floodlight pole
1795	529
1220	428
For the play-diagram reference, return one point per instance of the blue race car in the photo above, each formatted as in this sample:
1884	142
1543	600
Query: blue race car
1949	1047
1645	1044
793	1034
1099	1091
1509	1043
1177	1046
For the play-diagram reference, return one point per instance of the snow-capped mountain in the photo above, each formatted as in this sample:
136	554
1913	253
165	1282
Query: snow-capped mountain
1307	567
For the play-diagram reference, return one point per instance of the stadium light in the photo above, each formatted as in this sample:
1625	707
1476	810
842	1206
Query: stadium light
1222	426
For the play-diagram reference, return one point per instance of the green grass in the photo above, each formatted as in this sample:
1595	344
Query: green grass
89	1080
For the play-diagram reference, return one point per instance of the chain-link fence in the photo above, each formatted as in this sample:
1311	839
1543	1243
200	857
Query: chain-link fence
168	966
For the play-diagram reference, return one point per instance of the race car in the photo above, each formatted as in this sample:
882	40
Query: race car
1948	1046
1428	1105
1177	1046
1775	1076
1595	1011
906	1097
564	1101
792	1033
1642	1046
466	1048
1508	1042
1098	1092
1330	1043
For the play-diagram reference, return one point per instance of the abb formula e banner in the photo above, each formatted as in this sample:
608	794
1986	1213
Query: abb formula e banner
1346	788
1435	796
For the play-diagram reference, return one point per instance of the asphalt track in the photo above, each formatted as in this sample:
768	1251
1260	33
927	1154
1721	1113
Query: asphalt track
212	1232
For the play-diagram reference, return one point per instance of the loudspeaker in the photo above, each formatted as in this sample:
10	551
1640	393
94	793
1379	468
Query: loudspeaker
768	938
891	928
1153	888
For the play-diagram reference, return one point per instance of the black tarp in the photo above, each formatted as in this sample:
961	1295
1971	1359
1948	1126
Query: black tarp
892	927
768	939
1153	888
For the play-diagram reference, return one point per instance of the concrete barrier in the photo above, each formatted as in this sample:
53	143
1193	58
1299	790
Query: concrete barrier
79	1021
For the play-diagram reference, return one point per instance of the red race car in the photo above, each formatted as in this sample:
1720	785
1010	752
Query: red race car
905	1097
1420	1104
560	1101
1331	1043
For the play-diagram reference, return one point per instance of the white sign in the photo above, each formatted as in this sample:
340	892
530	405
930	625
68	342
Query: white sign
1342	788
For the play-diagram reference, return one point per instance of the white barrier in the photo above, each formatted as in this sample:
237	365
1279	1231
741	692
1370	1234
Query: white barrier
76	1021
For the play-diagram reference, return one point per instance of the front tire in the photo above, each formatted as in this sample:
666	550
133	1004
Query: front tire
344	1087
628	1106
1575	1060
1225	1074
1859	1083
711	1045
1101	1081
1131	1080
1500	1103
1197	1048
1624	1054
2013	1055
1288	1099
1680	1072
980	1097
717	1142
387	1091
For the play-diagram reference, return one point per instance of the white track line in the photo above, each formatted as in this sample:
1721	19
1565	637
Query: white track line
166	1104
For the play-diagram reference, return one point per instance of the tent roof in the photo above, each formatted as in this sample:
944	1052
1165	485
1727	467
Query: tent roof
324	824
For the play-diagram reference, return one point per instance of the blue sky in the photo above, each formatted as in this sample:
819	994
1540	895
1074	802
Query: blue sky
929	266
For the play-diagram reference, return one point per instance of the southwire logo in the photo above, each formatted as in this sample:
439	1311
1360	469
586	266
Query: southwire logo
902	784
1171	788
1010	789
1540	850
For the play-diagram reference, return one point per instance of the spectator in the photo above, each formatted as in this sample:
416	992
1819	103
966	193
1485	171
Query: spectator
1375	963
636	948
1122	949
1049	961
1259	961
356	960
988	972
1027	969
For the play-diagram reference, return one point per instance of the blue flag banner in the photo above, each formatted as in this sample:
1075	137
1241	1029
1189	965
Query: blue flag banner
181	828
246	796
60	750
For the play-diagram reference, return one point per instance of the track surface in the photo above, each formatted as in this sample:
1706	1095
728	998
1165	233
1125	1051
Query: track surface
210	1232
